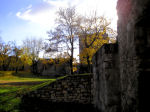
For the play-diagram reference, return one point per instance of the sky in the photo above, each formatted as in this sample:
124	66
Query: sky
20	19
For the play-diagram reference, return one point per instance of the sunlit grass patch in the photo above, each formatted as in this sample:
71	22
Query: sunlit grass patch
11	76
10	97
10	93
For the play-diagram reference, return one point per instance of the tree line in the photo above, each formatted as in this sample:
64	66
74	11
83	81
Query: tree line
13	57
91	32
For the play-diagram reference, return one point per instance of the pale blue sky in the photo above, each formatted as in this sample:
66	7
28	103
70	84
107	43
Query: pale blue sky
25	18
14	28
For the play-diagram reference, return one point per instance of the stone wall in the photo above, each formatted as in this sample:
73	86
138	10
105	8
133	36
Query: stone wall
106	79
71	89
134	47
131	67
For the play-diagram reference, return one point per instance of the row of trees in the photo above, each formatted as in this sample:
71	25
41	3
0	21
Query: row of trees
27	56
13	57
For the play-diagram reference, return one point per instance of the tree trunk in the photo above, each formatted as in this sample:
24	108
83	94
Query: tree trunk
71	59
71	66
4	67
23	67
33	66
16	65
89	66
16	70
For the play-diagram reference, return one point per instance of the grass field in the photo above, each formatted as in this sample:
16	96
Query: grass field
13	86
10	76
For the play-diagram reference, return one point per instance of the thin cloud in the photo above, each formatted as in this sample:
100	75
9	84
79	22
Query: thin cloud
41	13
45	12
30	6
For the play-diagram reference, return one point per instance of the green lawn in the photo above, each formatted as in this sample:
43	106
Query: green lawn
13	86
10	76
10	94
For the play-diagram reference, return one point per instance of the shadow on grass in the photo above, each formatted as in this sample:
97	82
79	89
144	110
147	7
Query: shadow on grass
23	74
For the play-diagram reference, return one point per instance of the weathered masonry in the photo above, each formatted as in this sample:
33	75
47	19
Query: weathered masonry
122	74
69	92
106	92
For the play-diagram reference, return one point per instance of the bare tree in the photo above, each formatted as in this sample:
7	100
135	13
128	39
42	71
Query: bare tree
64	36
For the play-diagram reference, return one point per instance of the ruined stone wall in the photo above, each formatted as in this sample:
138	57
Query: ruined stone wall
132	60
71	89
133	39
106	86
128	58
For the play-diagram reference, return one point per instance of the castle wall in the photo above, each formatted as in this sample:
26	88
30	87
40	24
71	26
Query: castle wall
133	60
106	79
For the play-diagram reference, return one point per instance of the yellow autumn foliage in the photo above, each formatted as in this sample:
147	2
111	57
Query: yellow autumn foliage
88	52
